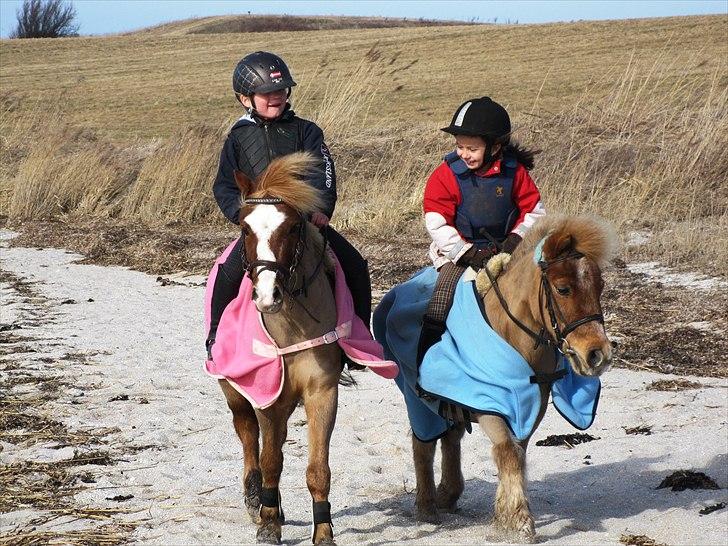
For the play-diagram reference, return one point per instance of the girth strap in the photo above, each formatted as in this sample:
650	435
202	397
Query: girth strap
547	378
455	415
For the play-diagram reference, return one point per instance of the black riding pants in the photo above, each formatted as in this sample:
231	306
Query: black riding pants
230	276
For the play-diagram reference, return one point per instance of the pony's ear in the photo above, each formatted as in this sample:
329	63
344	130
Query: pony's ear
244	183
556	245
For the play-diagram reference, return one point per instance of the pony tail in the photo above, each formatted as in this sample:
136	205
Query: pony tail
525	156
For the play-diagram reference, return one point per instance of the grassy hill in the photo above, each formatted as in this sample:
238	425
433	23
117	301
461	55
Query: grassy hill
631	116
148	86
221	24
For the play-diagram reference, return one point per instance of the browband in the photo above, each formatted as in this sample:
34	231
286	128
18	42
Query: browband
263	201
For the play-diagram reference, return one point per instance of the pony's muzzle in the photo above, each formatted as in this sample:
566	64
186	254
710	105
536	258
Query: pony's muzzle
268	299
599	359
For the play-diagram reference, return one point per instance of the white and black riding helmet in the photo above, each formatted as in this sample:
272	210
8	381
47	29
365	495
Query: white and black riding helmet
481	117
261	72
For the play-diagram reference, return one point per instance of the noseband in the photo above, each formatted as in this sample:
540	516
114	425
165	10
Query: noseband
256	267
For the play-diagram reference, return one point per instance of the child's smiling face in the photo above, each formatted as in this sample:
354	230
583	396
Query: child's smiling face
268	105
471	149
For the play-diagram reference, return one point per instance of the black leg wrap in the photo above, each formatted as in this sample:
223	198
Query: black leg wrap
270	497
321	512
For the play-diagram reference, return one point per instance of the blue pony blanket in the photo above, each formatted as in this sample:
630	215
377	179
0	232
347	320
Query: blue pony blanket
471	366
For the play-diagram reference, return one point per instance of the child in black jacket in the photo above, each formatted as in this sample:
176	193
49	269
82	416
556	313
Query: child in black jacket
262	84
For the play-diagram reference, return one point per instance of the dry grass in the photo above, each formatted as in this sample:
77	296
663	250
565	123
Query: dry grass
634	130
109	534
174	180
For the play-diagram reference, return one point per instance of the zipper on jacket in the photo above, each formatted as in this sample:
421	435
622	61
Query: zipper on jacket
267	142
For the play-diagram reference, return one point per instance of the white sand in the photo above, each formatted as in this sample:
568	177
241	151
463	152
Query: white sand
146	341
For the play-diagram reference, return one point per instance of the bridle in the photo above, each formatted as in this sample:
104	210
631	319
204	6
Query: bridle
559	341
286	274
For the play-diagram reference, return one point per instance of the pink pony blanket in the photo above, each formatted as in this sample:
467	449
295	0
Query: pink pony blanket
250	360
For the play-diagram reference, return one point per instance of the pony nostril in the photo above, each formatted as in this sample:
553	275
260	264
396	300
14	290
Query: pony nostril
276	294
595	358
255	294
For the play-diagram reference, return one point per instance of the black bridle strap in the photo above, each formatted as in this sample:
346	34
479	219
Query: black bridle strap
566	330
257	267
303	289
263	201
545	290
537	337
553	307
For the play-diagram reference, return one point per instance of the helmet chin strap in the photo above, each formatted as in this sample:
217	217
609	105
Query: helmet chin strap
488	156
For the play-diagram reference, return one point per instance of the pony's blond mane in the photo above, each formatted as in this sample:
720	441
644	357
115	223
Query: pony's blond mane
284	179
592	236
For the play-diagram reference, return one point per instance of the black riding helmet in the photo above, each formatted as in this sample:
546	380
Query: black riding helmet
261	72
481	117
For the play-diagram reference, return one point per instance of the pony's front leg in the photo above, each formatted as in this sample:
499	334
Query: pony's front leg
424	456
274	427
511	504
320	404
246	427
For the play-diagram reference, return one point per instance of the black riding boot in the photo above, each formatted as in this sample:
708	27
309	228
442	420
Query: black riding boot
227	285
356	272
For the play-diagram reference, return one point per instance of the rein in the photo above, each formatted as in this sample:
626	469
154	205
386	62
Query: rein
559	343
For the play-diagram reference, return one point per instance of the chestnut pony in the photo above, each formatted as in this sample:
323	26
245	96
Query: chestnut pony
558	301
285	259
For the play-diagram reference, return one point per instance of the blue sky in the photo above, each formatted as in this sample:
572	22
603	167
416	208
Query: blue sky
110	16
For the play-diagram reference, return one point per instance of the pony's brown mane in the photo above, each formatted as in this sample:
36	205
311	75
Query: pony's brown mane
592	236
284	179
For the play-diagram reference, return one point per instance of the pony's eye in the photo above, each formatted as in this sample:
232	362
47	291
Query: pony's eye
245	231
563	290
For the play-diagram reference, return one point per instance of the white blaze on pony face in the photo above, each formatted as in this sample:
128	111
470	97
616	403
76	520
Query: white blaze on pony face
264	221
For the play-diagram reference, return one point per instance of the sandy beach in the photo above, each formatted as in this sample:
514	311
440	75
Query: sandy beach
127	348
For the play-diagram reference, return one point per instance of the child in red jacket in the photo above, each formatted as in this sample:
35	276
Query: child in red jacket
481	199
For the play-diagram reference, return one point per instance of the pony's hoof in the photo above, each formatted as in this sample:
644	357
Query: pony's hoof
446	500
519	528
326	541
268	534
428	515
527	532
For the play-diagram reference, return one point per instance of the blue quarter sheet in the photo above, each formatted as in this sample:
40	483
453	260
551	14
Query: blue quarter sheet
472	366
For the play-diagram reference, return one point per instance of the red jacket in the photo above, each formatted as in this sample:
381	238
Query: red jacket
442	197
